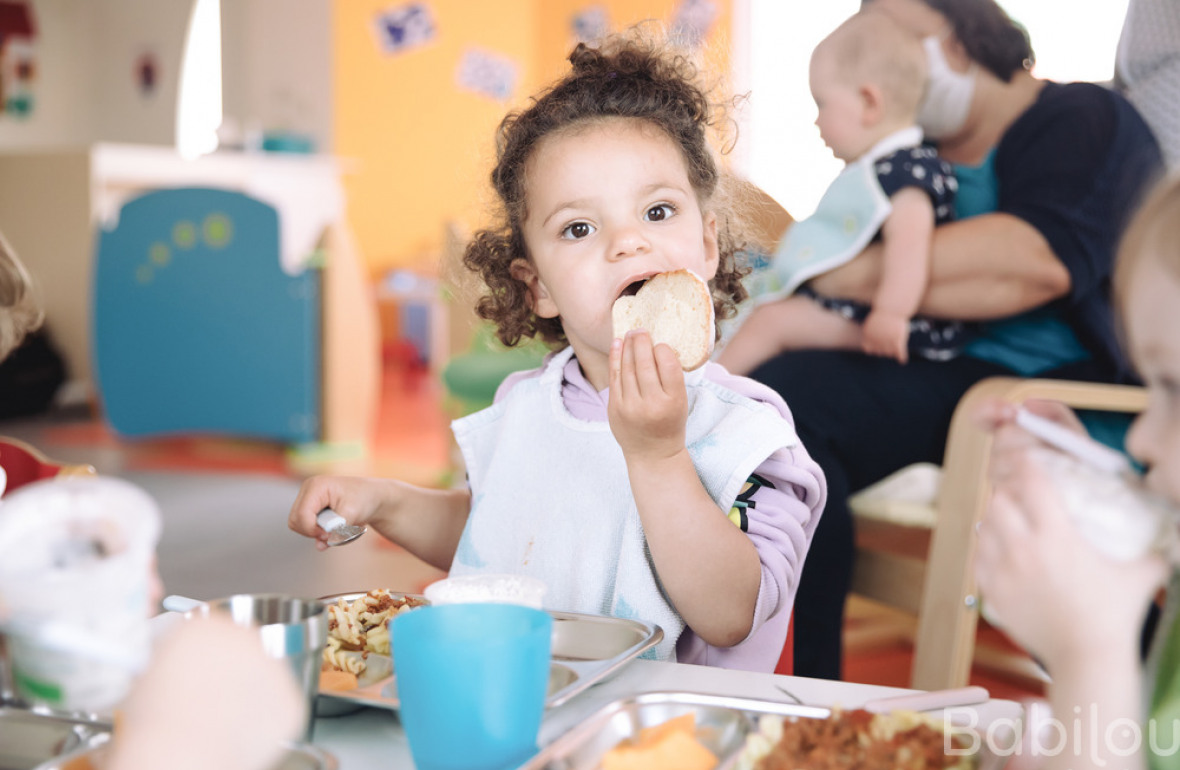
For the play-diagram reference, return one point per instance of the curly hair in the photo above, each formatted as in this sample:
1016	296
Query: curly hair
20	308
631	76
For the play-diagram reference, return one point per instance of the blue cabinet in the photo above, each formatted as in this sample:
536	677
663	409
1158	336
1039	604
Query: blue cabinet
197	327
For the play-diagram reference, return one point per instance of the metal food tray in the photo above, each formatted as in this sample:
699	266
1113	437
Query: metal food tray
722	725
295	756
30	737
586	649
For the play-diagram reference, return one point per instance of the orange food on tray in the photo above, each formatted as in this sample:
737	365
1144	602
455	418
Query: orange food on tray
672	745
332	680
900	740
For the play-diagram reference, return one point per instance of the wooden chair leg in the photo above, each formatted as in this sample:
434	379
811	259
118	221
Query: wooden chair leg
947	620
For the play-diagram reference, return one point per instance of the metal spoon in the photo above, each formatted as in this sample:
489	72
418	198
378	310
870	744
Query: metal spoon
181	604
339	531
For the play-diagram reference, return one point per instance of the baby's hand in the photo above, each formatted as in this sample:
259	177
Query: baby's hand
886	334
648	404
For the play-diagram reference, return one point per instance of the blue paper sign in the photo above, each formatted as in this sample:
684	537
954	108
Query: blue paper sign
692	20
487	73
404	27
591	24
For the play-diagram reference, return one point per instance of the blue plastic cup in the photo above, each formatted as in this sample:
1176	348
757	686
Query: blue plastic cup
472	681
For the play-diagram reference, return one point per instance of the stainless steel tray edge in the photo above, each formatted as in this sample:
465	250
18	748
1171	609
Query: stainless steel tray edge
593	672
556	755
587	672
38	734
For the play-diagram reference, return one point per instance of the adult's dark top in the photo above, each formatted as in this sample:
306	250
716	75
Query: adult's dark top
1075	166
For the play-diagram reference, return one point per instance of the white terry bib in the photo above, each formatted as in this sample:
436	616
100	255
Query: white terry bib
551	496
846	219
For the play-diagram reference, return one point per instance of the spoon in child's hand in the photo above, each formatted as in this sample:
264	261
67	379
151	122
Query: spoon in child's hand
339	531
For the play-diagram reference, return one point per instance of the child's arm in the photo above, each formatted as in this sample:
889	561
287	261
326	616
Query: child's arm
709	567
426	522
1078	611
905	270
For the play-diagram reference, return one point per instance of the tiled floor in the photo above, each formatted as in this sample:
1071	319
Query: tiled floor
411	442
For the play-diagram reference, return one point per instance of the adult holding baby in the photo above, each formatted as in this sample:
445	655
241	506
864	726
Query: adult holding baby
1047	175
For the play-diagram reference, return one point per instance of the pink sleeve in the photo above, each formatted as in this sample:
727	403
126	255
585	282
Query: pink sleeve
782	509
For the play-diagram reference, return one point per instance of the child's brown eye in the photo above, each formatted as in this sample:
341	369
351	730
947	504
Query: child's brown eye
659	213
577	230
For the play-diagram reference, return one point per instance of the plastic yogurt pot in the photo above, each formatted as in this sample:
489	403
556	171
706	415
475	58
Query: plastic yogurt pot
495	589
78	553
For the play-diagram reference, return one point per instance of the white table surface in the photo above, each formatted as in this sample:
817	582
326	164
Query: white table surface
373	738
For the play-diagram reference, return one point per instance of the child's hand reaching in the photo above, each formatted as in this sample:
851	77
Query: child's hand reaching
648	404
357	500
1046	584
426	522
886	334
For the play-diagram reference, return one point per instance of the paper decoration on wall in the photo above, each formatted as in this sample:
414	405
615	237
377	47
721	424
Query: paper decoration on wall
405	27
590	24
692	20
147	69
487	73
18	68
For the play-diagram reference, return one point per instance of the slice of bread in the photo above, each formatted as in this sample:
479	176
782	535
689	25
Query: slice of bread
675	308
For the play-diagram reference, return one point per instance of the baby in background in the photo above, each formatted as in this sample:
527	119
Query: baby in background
867	81
628	486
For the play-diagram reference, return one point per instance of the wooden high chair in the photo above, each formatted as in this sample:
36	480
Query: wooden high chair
24	464
917	555
915	529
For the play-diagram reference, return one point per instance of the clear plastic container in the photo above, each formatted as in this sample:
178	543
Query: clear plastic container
78	555
494	588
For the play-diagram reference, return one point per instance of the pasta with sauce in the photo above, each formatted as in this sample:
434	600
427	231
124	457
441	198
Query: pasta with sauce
360	627
900	740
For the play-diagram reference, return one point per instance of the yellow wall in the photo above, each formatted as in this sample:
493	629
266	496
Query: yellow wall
421	147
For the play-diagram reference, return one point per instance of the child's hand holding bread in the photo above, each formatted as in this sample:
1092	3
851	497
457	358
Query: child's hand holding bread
648	404
676	309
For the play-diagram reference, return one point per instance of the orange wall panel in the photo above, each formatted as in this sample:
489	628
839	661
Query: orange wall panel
418	147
